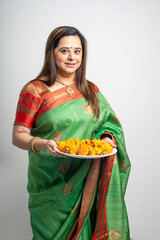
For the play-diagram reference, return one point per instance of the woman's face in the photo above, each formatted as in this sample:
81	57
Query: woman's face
68	55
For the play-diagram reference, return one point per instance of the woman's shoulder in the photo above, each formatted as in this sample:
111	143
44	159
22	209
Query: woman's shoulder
35	87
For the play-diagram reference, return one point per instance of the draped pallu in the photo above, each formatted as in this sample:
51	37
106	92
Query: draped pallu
74	198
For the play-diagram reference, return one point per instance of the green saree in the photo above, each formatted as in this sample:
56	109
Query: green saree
73	198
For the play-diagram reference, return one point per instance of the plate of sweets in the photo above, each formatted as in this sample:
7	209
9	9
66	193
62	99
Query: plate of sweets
85	148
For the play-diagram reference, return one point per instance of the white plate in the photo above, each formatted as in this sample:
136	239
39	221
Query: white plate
88	157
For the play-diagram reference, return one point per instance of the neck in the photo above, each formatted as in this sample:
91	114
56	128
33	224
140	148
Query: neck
65	79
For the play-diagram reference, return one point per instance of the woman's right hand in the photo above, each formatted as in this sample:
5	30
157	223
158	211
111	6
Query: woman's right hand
51	146
22	137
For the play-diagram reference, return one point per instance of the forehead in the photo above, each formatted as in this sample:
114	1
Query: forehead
70	41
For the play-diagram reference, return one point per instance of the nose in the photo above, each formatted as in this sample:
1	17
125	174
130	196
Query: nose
71	55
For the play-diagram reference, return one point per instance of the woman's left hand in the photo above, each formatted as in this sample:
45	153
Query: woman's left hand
110	141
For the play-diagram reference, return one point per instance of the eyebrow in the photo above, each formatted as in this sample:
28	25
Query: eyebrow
69	48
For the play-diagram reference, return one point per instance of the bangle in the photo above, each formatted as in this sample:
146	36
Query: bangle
31	144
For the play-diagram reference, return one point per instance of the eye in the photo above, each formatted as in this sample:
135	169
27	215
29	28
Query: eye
64	50
77	51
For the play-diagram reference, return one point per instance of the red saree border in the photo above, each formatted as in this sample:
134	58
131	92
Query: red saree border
58	102
100	232
35	99
88	194
60	99
58	91
61	90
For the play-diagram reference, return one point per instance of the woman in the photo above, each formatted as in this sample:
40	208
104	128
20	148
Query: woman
71	198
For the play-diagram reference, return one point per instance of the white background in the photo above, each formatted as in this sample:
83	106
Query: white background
123	60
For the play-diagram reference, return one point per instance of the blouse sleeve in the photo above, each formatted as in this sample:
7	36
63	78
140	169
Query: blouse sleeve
28	105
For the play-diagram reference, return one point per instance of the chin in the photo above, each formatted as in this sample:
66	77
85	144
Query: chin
70	71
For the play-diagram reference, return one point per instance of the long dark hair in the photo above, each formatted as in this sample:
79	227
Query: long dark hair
49	68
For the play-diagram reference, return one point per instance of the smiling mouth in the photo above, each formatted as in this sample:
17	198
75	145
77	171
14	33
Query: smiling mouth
70	65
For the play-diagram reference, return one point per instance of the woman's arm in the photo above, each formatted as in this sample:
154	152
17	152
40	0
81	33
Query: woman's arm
21	138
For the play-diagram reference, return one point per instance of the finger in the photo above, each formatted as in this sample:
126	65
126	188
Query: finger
51	145
61	155
110	142
113	145
55	153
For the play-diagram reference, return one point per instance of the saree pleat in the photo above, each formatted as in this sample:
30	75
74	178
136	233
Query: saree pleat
71	199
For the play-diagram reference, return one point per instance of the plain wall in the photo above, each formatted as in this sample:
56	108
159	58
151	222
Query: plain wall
123	60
